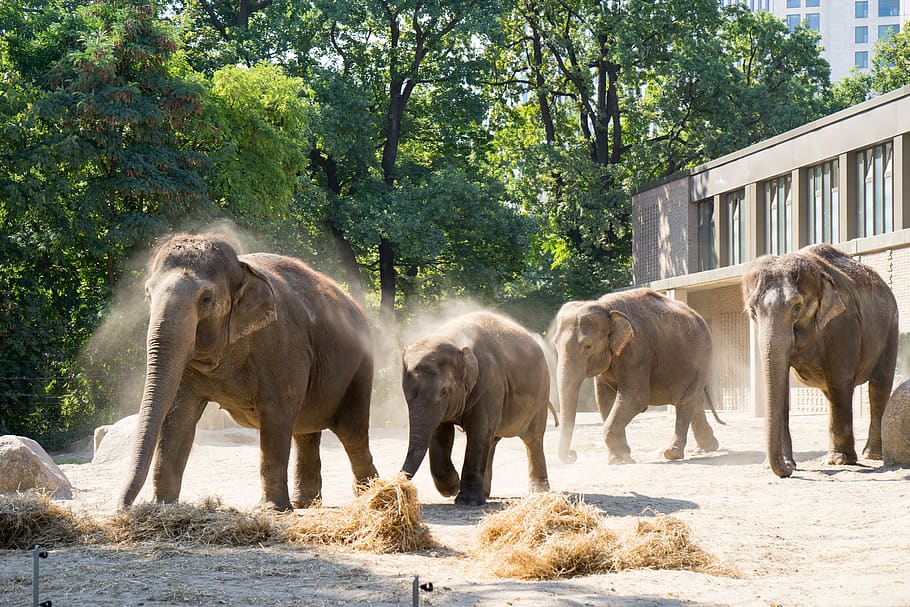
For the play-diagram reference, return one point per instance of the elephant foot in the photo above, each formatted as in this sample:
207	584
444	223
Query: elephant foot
621	459
673	453
449	485
783	467
274	505
470	498
539	486
708	445
842	459
873	451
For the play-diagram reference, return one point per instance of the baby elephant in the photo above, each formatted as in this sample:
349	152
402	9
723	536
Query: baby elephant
488	375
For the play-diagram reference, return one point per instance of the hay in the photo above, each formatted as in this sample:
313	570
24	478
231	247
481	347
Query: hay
205	524
32	517
550	536
384	518
663	542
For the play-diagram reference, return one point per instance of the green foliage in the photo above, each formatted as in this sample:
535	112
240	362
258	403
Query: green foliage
891	62
93	169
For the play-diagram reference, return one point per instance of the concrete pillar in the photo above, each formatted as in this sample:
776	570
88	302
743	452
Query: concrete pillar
755	220
847	196
799	207
721	238
901	181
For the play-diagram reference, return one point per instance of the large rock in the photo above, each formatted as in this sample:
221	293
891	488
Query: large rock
896	427
115	443
25	465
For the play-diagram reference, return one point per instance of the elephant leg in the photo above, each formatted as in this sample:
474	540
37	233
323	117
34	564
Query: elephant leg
352	426
308	470
840	424
537	464
684	417
445	477
174	444
274	452
615	430
474	469
604	395
488	473
879	394
701	429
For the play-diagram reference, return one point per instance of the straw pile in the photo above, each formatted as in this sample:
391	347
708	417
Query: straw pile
31	518
550	536
384	518
205	524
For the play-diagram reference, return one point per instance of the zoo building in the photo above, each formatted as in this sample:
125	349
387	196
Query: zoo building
843	179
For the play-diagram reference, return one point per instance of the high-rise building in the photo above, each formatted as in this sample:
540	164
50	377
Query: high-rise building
849	28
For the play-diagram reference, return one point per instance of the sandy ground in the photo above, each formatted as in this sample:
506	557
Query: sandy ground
827	536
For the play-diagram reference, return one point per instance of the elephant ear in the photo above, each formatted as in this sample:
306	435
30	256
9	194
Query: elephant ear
830	303
471	370
620	332
253	305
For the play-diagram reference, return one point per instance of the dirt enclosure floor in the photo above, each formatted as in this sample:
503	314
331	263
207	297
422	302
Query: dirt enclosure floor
828	536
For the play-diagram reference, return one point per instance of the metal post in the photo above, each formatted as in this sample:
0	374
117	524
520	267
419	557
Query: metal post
37	553
415	592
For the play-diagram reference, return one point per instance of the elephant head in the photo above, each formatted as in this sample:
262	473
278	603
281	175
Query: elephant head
437	378
588	336
202	299
790	299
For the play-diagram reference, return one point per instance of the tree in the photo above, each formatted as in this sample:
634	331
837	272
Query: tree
95	167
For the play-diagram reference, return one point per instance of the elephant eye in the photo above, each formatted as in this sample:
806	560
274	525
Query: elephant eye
207	299
797	308
444	391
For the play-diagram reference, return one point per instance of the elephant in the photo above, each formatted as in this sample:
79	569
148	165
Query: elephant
277	345
486	374
642	348
832	320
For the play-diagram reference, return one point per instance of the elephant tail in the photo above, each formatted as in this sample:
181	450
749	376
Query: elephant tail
555	415
711	404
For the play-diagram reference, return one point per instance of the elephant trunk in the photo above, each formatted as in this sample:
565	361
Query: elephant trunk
775	341
170	344
569	378
421	427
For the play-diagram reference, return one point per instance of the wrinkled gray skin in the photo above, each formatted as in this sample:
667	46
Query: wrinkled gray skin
486	374
279	346
642	349
834	321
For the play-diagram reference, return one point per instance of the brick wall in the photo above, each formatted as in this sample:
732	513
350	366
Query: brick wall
722	309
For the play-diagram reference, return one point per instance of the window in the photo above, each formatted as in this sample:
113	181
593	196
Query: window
861	59
886	31
824	203
812	3
778	216
793	22
707	253
792	3
889	8
861	34
735	221
813	21
861	9
874	191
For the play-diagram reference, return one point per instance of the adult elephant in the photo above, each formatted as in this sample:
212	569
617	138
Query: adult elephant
642	348
834	322
486	374
276	344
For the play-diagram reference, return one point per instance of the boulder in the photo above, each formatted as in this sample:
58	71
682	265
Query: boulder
25	465
115	443
896	427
